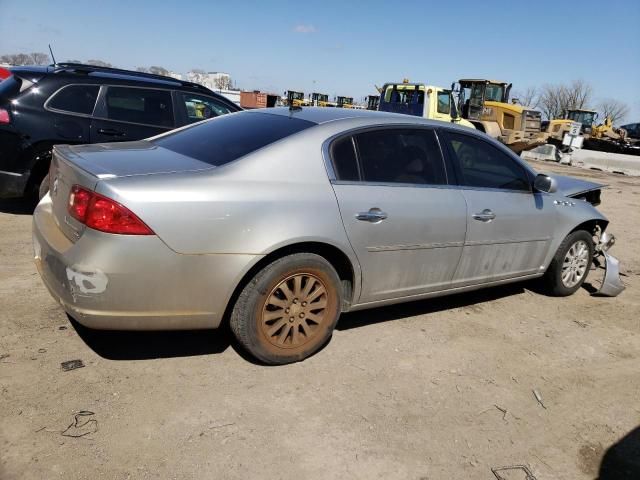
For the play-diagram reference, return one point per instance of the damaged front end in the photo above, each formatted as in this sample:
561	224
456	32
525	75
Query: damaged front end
611	285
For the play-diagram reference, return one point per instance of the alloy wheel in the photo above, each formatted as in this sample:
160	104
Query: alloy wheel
575	264
294	310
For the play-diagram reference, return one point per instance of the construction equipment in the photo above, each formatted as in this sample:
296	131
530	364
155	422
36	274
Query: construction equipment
294	99
485	103
344	102
420	100
558	127
603	137
320	100
373	101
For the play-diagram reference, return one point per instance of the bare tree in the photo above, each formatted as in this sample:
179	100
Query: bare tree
555	100
98	63
142	69
196	75
159	71
529	97
578	94
613	108
39	58
223	82
73	61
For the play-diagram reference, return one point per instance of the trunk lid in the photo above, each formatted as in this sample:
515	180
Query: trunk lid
125	159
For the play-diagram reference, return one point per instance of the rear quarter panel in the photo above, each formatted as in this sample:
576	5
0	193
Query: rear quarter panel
276	196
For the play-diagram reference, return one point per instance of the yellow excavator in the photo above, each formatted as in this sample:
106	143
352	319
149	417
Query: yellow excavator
485	103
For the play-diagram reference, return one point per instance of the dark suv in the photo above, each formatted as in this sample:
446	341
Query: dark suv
73	103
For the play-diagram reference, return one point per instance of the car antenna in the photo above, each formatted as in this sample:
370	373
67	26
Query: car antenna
52	57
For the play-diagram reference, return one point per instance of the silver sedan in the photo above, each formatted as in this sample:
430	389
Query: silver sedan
278	220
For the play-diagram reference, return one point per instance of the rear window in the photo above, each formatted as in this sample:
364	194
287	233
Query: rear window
229	137
75	99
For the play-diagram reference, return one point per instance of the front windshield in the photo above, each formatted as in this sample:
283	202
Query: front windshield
585	118
494	92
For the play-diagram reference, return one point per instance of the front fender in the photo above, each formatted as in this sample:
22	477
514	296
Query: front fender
571	215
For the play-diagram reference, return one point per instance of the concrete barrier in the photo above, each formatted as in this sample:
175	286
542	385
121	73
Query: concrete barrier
608	162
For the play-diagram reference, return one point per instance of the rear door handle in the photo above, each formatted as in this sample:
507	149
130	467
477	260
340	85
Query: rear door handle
485	216
374	215
110	132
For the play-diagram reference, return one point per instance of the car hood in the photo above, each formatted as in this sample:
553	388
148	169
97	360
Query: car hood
125	159
572	187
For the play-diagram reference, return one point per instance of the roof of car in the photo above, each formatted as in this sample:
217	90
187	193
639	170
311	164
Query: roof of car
94	71
320	115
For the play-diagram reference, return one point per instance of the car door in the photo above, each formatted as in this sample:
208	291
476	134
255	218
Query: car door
71	108
509	226
406	226
126	113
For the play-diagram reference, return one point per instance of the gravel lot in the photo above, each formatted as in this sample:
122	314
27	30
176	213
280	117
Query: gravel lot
440	389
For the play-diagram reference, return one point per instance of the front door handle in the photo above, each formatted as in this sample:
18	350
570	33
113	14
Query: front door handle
110	132
485	216
374	215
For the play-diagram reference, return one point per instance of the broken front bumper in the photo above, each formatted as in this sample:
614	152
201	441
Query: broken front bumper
612	284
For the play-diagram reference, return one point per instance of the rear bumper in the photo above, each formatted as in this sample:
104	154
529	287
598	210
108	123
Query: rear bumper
12	184
127	282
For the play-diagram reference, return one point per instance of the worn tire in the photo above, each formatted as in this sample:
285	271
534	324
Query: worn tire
264	297
44	187
552	279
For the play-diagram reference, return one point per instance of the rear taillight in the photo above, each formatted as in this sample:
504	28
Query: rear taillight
101	213
4	116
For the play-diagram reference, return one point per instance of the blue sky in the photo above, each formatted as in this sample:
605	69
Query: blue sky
341	47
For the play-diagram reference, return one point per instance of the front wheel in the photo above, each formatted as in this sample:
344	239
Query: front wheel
570	265
288	311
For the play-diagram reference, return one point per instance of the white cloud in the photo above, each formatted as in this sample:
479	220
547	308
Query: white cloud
302	28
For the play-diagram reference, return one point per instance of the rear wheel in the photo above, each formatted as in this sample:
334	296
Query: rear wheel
570	265
288	311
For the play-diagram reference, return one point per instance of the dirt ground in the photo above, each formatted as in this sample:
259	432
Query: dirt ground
439	389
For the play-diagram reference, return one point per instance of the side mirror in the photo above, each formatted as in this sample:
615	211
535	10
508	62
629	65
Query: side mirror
545	183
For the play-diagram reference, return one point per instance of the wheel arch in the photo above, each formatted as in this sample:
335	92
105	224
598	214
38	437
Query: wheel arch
347	268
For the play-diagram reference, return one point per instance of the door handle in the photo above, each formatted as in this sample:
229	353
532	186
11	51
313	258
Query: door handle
485	216
110	132
374	215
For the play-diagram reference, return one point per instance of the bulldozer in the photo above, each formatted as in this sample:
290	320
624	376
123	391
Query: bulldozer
602	137
558	127
420	100
485	103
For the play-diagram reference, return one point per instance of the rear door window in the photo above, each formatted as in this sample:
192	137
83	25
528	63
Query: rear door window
410	156
75	99
345	163
229	137
199	107
140	105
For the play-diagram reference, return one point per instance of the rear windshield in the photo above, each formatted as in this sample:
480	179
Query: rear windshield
229	137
